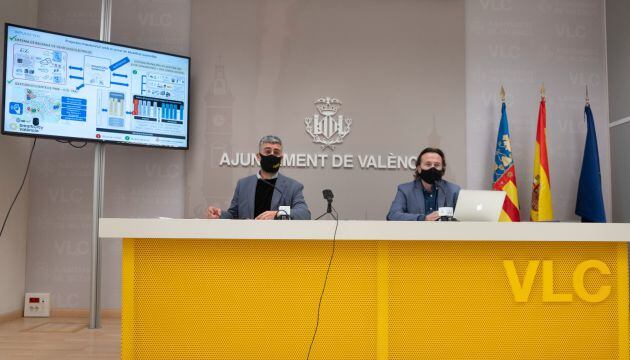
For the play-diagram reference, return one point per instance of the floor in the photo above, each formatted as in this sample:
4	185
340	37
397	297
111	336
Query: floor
59	338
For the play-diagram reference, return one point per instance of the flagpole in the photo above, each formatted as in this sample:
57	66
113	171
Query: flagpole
541	205
504	173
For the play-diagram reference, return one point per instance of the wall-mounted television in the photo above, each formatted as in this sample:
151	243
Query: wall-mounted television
77	89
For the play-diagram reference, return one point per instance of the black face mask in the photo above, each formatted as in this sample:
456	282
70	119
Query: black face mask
431	175
270	163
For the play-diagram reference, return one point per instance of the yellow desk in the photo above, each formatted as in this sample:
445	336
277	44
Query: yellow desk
200	289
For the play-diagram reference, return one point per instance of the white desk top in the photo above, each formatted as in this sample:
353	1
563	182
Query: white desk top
360	230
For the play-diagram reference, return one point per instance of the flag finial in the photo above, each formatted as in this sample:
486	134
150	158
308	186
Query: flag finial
502	93
542	91
588	101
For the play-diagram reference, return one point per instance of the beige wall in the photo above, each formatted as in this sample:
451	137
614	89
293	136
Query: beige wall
14	154
397	66
521	45
618	41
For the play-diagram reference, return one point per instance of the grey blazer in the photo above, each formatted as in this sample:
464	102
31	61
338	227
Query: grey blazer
409	201
288	192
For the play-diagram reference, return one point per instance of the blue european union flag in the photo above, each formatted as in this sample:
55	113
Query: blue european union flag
590	202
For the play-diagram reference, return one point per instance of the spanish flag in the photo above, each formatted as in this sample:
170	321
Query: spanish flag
541	187
505	172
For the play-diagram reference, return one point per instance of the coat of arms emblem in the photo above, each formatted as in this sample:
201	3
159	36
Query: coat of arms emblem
325	128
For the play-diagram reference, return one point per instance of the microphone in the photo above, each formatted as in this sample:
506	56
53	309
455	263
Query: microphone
279	216
328	195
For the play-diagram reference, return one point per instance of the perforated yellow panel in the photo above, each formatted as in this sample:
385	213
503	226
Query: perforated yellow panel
454	301
247	299
253	299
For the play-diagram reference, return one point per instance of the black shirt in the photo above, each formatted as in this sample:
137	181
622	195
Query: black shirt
430	201
264	192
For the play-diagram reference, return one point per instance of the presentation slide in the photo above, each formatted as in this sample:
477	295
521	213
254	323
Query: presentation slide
77	89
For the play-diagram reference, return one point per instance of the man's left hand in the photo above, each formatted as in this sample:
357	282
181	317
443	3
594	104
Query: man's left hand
267	215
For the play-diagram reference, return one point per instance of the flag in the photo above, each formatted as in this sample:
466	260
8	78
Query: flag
541	209
505	172
590	202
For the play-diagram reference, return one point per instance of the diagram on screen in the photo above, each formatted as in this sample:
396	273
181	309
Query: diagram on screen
39	64
59	85
113	114
158	107
96	71
39	105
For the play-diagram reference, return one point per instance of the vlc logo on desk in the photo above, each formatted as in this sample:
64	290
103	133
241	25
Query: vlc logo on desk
521	289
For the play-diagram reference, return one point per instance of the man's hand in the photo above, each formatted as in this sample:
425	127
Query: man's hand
267	215
213	212
432	216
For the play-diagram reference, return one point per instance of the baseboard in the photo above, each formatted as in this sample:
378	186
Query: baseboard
72	313
83	313
11	315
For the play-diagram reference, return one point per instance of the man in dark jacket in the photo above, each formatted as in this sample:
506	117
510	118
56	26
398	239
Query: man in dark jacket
260	196
419	200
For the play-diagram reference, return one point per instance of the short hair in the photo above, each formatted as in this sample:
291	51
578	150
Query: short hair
269	139
432	150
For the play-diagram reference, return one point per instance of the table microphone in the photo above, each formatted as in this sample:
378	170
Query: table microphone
328	195
446	213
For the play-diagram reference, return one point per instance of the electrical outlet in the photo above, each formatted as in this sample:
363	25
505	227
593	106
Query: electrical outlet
37	305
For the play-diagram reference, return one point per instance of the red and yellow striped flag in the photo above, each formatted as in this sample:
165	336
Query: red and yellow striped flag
504	171
541	187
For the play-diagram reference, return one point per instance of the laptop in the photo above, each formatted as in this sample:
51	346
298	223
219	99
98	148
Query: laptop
479	205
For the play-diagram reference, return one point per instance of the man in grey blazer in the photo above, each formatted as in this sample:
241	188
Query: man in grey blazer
419	200
259	196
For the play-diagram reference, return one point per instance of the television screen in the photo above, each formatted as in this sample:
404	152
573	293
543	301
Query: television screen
73	88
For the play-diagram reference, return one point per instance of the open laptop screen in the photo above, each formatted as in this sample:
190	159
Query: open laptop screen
479	205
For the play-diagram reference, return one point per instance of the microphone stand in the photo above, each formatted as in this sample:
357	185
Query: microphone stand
328	211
